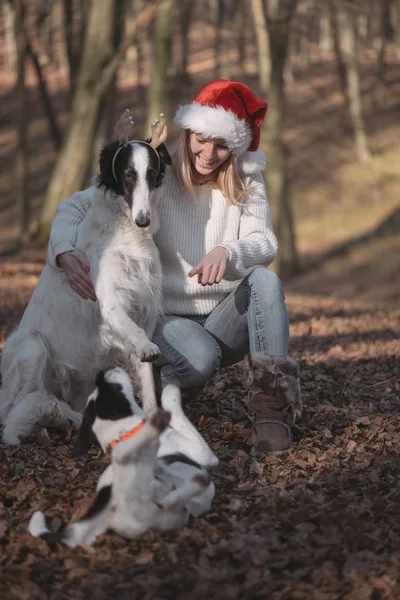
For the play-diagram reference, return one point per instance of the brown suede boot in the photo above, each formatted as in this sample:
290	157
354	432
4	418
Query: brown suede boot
274	401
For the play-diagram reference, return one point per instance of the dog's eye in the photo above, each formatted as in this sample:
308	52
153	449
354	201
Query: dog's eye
130	174
151	173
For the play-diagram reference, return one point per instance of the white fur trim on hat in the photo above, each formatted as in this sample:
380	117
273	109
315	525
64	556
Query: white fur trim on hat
215	122
252	162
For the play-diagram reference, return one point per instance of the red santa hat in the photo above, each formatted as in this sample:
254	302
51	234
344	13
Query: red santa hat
231	111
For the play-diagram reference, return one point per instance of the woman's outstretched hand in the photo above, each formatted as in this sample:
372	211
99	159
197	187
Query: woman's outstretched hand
76	268
212	267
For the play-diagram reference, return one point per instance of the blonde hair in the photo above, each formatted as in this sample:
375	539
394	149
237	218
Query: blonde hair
226	179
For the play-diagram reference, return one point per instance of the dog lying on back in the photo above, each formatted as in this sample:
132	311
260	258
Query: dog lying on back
48	364
158	476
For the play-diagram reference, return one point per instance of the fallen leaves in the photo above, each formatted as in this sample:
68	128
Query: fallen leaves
319	523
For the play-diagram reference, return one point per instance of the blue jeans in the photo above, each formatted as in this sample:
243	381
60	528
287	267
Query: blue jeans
253	318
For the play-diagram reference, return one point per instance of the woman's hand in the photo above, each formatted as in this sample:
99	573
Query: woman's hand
212	267
76	268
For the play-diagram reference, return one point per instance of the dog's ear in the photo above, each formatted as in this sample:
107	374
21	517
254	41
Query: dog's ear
85	435
164	154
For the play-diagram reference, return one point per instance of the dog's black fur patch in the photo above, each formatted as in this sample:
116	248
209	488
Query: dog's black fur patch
111	402
182	458
102	499
86	436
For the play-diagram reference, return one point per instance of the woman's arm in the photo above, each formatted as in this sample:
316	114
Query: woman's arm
65	226
61	253
257	244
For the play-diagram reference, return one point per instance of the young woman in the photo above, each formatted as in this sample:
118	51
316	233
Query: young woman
215	240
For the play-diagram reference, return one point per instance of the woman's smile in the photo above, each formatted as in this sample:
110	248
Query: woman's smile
207	155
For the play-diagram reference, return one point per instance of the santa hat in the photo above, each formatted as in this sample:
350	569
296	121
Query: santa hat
231	111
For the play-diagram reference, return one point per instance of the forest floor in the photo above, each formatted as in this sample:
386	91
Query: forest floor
320	523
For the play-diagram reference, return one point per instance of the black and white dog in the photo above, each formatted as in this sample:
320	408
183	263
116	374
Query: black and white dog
50	361
158	476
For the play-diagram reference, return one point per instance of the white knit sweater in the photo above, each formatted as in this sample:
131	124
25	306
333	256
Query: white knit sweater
188	231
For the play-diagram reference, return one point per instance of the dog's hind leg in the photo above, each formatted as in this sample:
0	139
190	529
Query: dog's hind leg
24	366
182	436
179	497
34	410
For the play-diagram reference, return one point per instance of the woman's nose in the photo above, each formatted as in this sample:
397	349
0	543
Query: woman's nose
210	150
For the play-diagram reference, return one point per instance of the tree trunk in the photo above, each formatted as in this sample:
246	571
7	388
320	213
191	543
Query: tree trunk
45	32
161	61
217	7
10	51
97	69
325	33
22	120
242	25
48	107
262	42
278	21
348	43
71	46
341	67
185	18
386	34
105	130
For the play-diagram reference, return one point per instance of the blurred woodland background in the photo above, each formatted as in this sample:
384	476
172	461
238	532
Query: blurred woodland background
329	69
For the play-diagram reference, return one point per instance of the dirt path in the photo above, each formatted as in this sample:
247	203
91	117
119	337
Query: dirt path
320	523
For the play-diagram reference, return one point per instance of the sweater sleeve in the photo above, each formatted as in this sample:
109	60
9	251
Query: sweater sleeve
256	243
65	226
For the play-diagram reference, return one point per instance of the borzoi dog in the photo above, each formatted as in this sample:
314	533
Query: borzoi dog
64	340
158	476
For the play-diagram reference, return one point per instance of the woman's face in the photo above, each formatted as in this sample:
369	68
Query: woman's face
207	155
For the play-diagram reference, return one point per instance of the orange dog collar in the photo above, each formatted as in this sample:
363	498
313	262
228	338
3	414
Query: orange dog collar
126	436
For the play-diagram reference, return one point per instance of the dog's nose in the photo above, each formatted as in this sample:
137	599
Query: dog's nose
143	219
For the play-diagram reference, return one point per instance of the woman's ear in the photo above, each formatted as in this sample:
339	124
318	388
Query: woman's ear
85	435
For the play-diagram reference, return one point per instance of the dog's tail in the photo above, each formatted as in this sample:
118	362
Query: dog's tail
82	532
39	528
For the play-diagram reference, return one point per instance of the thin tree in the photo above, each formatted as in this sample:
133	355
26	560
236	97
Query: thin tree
161	61
386	34
10	52
348	45
262	42
46	99
22	121
279	15
185	16
340	65
98	66
107	112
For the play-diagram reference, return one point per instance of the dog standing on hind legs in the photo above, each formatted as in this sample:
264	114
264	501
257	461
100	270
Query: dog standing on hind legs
64	340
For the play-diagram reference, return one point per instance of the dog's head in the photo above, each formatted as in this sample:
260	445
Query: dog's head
110	409
134	171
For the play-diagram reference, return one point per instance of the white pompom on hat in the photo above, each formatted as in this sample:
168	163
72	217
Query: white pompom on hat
231	111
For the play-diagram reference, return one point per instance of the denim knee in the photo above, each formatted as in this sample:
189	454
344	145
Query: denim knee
267	283
195	369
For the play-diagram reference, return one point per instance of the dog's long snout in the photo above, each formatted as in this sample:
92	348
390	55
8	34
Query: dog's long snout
143	219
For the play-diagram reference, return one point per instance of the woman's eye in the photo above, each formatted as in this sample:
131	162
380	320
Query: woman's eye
222	147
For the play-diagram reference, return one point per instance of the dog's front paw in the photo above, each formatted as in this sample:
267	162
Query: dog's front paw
148	351
160	420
